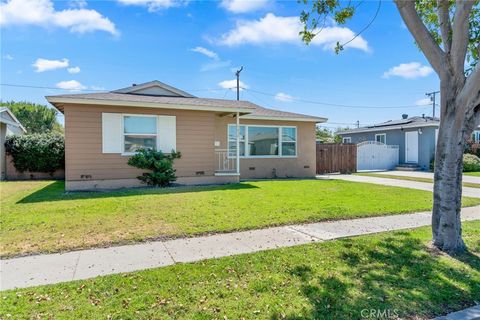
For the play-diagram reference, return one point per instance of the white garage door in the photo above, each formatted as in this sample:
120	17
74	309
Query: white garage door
373	155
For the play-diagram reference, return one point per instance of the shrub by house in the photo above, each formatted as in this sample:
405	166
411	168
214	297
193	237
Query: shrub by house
43	152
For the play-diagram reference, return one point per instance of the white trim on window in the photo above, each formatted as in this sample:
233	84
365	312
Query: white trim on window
280	141
384	137
347	140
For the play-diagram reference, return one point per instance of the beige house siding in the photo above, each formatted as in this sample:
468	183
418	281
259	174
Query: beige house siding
258	168
83	143
87	167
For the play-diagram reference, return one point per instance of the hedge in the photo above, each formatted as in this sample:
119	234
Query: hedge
471	163
44	152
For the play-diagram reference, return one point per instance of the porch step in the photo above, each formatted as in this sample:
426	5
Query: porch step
408	167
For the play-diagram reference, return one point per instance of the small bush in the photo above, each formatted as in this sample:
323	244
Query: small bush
471	163
43	152
160	164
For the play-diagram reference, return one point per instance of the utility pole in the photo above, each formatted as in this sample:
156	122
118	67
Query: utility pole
432	96
237	74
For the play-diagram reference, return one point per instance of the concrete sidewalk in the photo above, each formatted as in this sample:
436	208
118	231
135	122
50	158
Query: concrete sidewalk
467	192
54	268
472	313
423	174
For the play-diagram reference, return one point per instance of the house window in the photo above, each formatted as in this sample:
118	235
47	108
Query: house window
263	141
476	136
139	132
381	137
232	140
347	140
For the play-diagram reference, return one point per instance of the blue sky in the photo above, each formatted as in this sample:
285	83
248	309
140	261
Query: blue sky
196	45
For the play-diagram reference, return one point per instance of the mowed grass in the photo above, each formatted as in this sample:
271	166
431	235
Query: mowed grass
396	273
475	174
419	179
38	216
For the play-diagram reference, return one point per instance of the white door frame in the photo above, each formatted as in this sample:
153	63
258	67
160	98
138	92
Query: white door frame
407	144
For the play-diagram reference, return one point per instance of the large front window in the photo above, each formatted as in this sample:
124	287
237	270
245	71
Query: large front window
139	132
263	141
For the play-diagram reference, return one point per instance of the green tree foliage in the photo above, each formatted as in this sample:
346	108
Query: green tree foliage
428	11
38	152
36	118
324	135
317	13
160	165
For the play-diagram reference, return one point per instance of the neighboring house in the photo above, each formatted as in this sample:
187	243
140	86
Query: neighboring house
9	125
415	136
476	135
103	129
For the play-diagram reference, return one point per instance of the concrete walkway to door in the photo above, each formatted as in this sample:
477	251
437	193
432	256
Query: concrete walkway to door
53	268
468	192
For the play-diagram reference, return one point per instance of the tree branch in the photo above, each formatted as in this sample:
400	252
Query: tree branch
460	35
470	94
422	36
445	24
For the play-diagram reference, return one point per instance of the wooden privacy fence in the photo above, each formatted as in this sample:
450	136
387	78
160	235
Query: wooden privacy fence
336	157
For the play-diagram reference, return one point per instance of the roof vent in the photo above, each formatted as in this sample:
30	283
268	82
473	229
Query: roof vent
404	116
134	84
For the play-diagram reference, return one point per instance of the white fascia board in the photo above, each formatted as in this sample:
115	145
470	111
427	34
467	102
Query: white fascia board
122	103
253	117
381	129
16	123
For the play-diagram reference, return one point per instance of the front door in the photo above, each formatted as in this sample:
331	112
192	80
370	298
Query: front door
411	146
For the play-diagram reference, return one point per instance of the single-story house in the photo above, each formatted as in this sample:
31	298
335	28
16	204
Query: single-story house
415	136
103	129
9	125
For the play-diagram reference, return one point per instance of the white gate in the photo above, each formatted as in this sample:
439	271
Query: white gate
373	155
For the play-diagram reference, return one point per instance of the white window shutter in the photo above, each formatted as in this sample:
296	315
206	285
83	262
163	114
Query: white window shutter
112	135
167	134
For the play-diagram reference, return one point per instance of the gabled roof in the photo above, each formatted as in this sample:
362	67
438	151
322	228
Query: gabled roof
10	119
155	94
413	122
150	101
155	88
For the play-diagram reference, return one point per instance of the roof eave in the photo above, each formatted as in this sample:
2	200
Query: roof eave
58	102
388	129
16	122
293	118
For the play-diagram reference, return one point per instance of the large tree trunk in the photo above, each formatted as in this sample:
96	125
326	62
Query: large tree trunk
446	224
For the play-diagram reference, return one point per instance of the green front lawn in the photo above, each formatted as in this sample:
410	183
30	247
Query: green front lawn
419	179
38	216
396	273
475	174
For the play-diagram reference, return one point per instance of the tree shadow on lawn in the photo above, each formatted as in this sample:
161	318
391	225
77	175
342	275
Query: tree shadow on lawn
400	277
55	191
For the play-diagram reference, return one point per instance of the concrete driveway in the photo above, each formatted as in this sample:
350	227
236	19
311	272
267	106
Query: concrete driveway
468	192
422	174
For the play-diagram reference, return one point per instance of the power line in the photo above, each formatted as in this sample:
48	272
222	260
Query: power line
42	87
367	26
340	105
250	90
432	96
